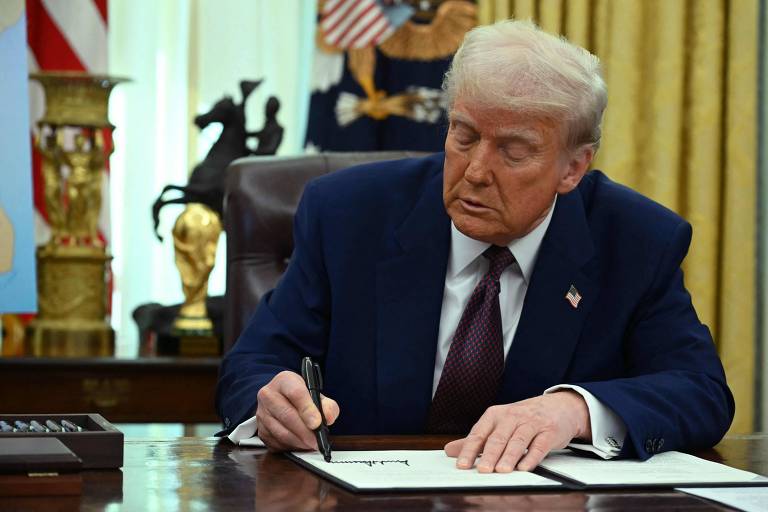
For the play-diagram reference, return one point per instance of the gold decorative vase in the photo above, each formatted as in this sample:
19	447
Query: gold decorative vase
73	264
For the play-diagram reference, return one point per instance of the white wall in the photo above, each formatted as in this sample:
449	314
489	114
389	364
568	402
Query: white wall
182	56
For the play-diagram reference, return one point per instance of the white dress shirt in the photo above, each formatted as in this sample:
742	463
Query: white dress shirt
466	266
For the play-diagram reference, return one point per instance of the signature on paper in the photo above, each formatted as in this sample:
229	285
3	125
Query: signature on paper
370	463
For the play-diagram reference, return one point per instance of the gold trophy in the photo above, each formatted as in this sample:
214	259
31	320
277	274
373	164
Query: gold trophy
195	238
72	265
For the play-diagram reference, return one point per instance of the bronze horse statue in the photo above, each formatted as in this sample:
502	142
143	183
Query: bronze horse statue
206	183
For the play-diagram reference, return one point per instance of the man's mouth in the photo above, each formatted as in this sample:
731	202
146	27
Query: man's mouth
472	205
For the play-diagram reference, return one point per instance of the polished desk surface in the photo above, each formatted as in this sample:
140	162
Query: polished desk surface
211	474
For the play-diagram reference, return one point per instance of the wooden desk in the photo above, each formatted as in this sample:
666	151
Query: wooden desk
205	474
150	389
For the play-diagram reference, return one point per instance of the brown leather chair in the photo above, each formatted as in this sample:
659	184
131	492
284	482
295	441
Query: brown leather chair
260	200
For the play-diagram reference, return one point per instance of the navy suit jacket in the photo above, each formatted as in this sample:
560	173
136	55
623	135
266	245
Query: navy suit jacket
363	292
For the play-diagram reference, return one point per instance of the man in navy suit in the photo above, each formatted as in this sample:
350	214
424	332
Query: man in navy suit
497	291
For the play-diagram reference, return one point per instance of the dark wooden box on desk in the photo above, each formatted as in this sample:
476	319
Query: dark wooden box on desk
99	445
146	389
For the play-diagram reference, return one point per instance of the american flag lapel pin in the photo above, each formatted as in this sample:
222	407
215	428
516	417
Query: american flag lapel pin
573	296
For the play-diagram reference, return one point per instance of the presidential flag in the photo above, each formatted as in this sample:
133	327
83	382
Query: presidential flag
377	74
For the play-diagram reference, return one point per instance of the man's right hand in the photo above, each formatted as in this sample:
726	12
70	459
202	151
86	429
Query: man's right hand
286	415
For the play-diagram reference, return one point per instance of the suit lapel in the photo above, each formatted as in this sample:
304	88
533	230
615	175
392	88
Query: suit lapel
549	325
409	290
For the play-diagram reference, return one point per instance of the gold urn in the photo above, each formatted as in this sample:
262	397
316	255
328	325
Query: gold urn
73	266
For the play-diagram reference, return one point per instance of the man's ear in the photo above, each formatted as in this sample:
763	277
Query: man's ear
577	166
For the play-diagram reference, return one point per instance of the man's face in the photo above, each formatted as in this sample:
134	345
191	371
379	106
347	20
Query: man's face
503	169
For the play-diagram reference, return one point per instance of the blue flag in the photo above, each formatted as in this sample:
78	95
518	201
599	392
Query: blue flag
377	76
18	291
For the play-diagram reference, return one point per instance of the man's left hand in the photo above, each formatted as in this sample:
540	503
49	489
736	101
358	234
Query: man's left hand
520	435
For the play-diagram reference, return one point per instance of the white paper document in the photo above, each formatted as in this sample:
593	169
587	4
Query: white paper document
748	499
664	469
411	469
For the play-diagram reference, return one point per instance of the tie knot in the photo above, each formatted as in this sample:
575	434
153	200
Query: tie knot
499	258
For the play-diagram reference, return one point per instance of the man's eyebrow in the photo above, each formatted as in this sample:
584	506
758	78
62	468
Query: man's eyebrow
459	118
529	137
505	136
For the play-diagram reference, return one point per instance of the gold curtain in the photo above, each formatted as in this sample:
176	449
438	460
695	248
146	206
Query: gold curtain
681	128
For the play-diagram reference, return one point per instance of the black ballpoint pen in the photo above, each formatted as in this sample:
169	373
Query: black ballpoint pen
314	381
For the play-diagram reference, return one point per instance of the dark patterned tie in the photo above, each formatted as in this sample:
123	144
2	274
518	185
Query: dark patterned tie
475	363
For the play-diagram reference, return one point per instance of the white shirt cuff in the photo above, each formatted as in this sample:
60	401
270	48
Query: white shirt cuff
608	430
245	434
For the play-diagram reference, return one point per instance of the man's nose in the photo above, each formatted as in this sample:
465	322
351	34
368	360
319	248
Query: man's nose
480	168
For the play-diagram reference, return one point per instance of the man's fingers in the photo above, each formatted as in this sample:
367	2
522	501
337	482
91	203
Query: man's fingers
542	444
330	409
453	448
292	387
516	447
506	433
519	435
272	444
279	438
492	450
474	442
505	446
287	415
278	407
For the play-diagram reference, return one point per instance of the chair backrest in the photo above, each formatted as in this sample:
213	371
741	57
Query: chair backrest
260	200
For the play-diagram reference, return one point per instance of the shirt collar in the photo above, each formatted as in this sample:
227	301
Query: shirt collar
465	250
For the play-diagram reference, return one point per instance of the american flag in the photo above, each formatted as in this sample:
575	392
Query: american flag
573	296
361	23
66	35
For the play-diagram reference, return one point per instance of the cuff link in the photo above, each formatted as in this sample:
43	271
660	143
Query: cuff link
654	445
